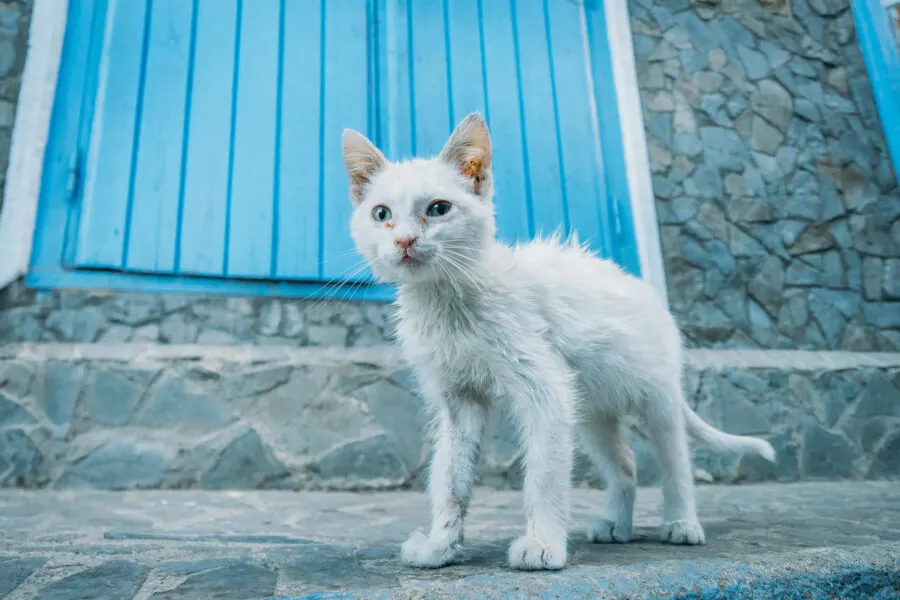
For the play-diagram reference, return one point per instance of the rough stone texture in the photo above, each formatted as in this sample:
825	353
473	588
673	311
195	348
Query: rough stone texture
83	317
778	205
224	417
804	540
14	21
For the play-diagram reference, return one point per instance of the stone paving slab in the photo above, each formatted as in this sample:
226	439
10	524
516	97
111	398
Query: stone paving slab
805	540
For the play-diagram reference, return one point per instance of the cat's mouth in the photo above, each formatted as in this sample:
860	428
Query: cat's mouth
410	260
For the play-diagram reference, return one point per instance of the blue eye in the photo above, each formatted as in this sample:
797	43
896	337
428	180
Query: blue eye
438	208
381	213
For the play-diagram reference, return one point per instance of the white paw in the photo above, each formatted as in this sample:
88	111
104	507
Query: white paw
531	554
689	533
606	531
422	551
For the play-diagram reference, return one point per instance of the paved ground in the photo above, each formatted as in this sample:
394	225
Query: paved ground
803	540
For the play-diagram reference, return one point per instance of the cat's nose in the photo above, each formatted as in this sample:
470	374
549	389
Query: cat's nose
405	243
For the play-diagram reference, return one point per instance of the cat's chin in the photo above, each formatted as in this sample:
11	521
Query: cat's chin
407	271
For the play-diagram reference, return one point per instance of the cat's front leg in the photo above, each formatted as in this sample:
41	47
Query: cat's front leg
453	467
545	407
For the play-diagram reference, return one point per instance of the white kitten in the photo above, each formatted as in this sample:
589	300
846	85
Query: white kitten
566	340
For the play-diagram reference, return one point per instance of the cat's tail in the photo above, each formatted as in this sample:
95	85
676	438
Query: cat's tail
703	432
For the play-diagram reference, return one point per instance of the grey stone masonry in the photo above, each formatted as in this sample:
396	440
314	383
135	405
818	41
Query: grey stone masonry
14	21
112	317
778	204
137	416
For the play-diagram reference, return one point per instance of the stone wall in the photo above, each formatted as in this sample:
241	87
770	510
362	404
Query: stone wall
14	19
152	416
108	317
776	196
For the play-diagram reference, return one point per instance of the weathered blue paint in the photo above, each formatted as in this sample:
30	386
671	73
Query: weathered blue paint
879	39
207	133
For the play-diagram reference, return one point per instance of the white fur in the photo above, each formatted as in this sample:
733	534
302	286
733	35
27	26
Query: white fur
568	341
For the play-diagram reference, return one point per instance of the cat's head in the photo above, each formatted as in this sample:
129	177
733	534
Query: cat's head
424	219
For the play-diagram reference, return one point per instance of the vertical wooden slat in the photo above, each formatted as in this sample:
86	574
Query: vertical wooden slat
108	167
540	119
345	105
621	226
300	153
209	139
467	91
505	121
74	91
252	177
154	222
431	113
395	88
584	186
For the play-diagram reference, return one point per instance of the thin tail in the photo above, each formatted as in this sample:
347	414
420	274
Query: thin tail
703	432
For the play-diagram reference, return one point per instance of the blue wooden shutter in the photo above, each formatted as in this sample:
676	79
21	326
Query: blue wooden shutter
540	71
214	139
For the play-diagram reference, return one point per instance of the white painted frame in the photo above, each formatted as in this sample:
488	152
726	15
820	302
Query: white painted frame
634	142
32	124
29	137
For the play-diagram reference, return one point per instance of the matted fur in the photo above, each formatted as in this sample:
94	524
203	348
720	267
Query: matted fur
567	341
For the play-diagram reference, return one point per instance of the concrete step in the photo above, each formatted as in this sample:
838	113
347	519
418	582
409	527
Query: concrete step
802	540
125	416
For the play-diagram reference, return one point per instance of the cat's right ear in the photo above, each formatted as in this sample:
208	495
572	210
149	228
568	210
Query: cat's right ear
362	160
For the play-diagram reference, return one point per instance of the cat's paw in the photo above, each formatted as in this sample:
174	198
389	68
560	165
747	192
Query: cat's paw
421	551
689	533
531	554
606	531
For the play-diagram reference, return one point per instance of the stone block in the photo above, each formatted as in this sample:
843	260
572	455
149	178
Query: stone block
178	329
112	580
886	462
117	465
63	383
827	453
398	411
134	309
182	404
375	458
755	64
327	335
12	412
83	325
110	397
254	381
236	580
14	572
20	459
245	463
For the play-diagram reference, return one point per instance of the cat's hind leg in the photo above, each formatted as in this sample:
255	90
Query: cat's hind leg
666	429
601	439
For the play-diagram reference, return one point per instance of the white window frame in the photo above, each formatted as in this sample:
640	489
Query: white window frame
32	123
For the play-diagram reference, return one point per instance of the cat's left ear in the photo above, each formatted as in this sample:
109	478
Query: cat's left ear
469	151
362	160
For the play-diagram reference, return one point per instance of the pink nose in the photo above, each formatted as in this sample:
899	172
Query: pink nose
404	243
